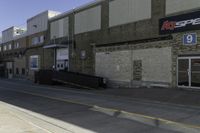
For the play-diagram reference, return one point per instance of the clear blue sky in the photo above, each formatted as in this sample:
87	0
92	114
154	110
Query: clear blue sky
16	12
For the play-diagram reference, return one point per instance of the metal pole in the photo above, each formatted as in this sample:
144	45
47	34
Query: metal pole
73	33
55	55
131	58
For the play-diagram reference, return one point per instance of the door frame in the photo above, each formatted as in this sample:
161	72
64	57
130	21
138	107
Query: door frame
189	68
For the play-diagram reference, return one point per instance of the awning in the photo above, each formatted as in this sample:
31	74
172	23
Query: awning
55	46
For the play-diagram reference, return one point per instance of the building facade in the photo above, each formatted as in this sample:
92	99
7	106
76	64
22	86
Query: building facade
129	42
148	50
37	30
11	51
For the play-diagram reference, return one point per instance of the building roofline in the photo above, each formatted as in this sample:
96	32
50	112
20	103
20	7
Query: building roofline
9	28
13	27
46	11
77	9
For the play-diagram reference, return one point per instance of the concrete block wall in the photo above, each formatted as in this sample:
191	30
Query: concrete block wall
116	63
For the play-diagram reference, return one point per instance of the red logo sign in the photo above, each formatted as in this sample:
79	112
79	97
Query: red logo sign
171	25
167	25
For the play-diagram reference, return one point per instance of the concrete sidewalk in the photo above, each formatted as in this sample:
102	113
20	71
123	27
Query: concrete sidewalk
12	123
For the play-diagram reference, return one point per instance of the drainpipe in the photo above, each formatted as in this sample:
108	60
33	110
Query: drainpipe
55	54
73	32
94	56
131	58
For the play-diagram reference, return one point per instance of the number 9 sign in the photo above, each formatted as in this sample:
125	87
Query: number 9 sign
190	39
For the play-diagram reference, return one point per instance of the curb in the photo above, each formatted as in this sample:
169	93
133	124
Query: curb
148	120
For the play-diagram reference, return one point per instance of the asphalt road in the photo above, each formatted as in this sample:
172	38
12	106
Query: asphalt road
75	110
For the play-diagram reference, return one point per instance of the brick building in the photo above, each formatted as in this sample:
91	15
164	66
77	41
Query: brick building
130	42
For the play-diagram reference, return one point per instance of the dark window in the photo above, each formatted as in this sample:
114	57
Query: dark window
23	71
74	45
17	71
10	71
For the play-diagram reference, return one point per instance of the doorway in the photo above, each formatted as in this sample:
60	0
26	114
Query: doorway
188	72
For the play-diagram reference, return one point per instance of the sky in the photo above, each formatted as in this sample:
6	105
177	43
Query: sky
16	12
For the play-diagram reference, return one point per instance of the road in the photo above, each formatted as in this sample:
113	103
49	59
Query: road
60	110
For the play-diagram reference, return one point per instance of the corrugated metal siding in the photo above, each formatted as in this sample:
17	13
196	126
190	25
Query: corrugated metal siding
88	20
174	6
60	28
127	11
41	21
7	35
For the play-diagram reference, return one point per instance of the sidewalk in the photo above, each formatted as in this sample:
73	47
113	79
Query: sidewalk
11	123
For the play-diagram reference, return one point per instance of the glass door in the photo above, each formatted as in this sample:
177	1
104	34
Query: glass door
195	72
183	72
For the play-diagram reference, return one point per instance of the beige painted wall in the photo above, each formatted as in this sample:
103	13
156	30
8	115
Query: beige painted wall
174	6
60	28
126	11
88	20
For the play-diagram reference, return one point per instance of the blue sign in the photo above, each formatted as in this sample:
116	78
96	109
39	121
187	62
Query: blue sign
190	39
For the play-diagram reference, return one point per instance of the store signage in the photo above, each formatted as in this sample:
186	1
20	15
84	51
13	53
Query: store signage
62	54
180	23
190	39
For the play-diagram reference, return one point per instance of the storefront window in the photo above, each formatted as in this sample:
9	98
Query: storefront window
34	62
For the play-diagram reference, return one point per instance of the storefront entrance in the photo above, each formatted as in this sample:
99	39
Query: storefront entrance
189	72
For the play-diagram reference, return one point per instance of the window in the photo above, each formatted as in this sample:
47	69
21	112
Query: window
10	71
41	39
17	71
4	47
23	71
16	46
34	62
35	40
38	40
10	46
0	49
